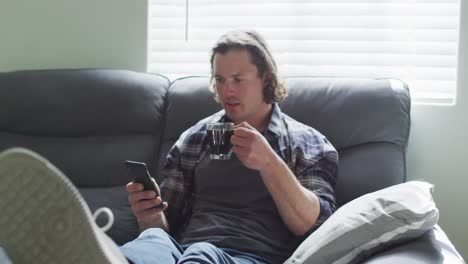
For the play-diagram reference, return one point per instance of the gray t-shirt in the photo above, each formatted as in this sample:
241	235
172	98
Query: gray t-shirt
233	209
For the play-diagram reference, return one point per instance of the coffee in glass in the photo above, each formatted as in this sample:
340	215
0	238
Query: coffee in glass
219	137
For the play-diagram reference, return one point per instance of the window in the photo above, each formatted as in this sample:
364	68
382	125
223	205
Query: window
412	40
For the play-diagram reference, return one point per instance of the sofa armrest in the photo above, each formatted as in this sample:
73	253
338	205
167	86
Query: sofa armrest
432	247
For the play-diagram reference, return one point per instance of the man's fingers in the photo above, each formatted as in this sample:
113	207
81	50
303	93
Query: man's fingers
244	124
142	195
145	204
148	213
148	204
239	141
243	132
134	187
240	151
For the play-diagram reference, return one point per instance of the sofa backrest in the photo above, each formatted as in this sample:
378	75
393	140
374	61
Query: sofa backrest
367	120
188	101
82	120
87	122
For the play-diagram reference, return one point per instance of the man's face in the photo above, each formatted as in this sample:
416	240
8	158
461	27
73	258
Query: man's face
239	88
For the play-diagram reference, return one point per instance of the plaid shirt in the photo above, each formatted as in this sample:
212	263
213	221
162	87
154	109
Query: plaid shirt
308	154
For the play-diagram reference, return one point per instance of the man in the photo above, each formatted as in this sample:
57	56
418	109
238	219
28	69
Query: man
256	207
259	205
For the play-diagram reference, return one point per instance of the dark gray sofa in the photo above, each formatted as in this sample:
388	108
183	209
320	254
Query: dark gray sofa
87	122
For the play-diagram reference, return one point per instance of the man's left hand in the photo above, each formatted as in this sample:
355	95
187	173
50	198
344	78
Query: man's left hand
251	147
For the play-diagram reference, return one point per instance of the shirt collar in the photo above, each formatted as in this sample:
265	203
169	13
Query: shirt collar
276	124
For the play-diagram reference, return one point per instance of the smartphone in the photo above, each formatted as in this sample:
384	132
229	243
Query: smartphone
139	172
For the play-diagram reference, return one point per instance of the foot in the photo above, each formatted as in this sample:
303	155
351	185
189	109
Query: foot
43	218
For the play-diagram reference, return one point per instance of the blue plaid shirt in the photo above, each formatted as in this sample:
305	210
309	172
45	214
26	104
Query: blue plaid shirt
309	155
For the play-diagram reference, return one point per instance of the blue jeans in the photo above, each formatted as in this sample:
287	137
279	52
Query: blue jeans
155	246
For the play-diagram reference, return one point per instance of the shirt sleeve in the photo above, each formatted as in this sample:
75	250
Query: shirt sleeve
175	189
317	171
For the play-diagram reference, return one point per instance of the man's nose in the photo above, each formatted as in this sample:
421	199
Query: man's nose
228	88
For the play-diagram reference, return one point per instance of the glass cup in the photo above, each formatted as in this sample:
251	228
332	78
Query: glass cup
219	136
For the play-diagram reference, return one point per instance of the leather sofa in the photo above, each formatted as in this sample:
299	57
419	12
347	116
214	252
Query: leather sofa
89	121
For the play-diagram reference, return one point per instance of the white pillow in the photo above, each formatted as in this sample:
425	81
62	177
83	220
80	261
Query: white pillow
369	224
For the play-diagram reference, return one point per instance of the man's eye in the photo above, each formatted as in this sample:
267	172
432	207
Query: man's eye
219	80
237	80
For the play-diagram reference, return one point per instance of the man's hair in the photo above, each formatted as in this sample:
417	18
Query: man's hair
260	56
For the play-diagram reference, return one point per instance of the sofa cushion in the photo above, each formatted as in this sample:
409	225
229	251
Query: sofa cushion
367	120
188	101
432	247
81	102
125	226
351	111
369	224
86	122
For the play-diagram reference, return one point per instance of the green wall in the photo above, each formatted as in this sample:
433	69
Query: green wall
73	34
112	34
438	148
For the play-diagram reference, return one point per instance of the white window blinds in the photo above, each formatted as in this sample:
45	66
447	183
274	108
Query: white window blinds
412	40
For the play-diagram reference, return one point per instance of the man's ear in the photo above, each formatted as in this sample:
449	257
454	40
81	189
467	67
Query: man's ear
265	79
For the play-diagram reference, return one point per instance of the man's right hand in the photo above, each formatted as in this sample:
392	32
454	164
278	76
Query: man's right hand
143	204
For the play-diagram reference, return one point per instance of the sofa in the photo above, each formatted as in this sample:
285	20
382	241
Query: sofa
87	122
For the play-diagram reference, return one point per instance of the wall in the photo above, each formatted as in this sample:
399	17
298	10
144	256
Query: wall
438	147
75	34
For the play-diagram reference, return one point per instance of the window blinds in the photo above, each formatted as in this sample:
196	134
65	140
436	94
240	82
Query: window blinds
412	40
